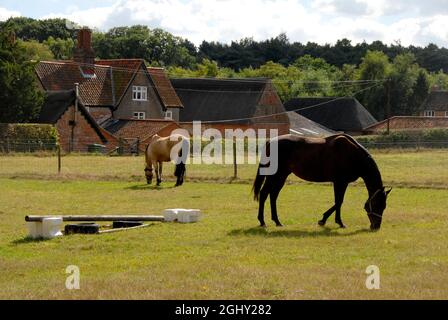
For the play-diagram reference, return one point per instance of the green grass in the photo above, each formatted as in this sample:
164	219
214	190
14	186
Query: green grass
425	168
225	255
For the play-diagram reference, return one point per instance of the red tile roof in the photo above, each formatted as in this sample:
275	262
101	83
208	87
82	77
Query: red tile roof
95	81
132	128
164	88
94	91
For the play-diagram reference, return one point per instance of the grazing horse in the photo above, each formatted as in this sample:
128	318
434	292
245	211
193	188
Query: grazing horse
164	149
339	159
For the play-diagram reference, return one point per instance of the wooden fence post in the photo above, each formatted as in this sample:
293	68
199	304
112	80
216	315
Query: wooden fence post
235	165
59	159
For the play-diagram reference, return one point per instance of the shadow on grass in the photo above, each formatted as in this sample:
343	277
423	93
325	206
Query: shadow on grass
323	232
149	187
27	239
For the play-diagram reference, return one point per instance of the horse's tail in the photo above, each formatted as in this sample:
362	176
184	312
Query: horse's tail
146	154
259	179
183	154
258	183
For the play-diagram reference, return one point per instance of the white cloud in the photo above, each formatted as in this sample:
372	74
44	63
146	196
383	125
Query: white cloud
324	21
5	14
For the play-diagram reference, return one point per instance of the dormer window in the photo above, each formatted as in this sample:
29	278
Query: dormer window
88	72
139	93
169	115
429	113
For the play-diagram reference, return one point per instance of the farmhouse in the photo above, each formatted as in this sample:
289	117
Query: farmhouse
231	104
112	89
435	105
121	88
340	114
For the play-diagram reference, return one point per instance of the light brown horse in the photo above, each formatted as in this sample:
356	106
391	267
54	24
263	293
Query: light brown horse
339	159
164	149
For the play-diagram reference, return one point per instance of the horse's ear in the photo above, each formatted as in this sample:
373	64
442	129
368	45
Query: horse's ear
387	192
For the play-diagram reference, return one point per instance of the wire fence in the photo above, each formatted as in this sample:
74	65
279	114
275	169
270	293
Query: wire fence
45	160
27	146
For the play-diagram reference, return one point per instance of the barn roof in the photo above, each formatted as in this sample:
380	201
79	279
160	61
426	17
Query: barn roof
340	114
56	104
299	125
218	99
436	101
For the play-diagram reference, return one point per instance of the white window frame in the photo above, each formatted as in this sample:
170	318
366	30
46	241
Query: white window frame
139	115
139	93
429	113
168	115
446	114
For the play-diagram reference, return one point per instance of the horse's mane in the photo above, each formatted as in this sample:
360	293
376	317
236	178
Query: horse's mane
360	146
369	159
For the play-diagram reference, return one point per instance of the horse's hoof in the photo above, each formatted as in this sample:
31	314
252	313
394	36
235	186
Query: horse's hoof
263	225
342	226
321	223
278	223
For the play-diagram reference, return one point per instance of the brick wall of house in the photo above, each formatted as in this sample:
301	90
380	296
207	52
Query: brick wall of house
84	133
152	107
410	123
436	113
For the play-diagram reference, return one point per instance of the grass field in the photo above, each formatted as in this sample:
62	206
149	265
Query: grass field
427	168
225	256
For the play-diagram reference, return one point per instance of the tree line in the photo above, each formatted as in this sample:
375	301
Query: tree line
377	74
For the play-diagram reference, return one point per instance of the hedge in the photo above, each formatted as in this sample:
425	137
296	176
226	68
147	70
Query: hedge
23	137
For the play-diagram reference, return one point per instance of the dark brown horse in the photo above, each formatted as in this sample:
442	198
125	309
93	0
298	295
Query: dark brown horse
339	159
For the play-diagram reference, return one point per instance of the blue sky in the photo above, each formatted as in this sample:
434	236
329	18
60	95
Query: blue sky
324	21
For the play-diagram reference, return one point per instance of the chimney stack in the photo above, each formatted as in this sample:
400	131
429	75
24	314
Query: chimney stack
83	53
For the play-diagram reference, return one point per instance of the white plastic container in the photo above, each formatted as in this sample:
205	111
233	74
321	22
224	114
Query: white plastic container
170	215
188	216
182	215
48	228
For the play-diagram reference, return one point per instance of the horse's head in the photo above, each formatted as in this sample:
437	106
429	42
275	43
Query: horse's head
375	206
149	175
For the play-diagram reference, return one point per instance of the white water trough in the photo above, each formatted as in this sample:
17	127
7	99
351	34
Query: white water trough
182	215
49	227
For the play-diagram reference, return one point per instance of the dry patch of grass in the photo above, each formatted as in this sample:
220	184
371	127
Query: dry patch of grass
225	256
